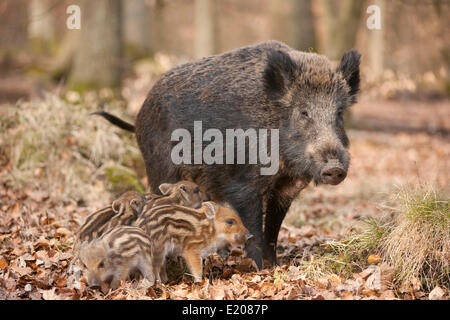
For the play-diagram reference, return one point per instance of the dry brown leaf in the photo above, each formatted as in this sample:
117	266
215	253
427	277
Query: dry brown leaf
436	294
61	282
373	282
335	280
366	272
323	283
22	271
62	232
10	284
216	293
50	294
410	285
373	259
41	242
278	283
267	289
368	293
388	295
17	251
3	263
347	295
247	265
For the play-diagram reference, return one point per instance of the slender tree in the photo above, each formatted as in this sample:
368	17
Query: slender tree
97	60
157	24
342	18
292	21
205	29
137	27
302	35
41	26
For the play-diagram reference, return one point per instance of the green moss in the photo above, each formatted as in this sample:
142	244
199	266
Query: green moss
122	179
82	87
136	52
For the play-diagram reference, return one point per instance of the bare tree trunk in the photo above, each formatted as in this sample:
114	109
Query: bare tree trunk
41	27
137	27
278	23
292	21
302	35
157	26
205	28
97	61
342	18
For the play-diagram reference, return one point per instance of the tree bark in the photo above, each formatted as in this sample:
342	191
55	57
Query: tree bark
278	23
41	26
136	27
301	32
205	29
342	19
97	61
157	25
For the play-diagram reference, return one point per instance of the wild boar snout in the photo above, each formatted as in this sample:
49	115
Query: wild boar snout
333	172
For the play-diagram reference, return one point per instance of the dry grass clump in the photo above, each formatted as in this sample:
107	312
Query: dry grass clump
416	242
419	244
348	255
54	146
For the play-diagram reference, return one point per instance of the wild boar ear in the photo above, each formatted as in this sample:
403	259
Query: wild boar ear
117	206
279	73
349	67
165	188
210	209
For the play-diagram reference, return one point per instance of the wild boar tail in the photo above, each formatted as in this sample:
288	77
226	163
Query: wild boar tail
115	120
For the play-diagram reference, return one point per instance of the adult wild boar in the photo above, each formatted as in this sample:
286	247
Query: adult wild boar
268	85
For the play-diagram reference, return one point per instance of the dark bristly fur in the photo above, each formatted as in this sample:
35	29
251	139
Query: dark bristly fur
267	85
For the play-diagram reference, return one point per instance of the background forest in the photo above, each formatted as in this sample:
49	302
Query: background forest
383	233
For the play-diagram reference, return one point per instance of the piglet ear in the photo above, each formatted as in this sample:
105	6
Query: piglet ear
279	73
117	206
184	193
165	188
349	67
210	209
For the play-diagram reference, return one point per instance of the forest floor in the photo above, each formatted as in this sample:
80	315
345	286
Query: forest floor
393	143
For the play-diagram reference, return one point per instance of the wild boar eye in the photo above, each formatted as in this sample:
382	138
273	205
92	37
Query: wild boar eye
101	264
230	222
305	114
196	190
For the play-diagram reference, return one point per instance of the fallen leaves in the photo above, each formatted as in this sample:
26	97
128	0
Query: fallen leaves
437	293
373	259
36	239
3	263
